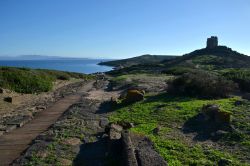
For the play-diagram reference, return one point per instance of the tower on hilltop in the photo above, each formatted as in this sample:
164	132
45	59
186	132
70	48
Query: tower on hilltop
212	42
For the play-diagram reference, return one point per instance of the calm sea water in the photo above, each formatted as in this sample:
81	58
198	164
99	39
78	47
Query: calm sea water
81	66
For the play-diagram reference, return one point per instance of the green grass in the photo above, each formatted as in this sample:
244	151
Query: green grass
171	112
136	79
25	80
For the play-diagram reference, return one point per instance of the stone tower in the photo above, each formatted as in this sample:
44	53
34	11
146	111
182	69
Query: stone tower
212	42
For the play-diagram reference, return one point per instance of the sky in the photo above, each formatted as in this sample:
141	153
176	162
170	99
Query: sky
120	28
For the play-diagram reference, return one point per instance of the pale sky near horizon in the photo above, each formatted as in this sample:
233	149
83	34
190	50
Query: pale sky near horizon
120	28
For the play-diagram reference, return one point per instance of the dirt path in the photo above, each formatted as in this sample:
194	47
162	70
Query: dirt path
14	143
78	137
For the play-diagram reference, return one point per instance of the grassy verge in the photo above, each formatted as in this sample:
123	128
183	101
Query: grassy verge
140	79
178	148
25	80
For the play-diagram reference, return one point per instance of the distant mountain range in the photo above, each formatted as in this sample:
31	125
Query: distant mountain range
36	57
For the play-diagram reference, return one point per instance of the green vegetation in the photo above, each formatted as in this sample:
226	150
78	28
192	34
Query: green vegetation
136	80
202	84
25	80
170	113
207	74
240	76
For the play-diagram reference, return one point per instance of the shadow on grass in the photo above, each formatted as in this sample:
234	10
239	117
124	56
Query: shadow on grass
166	97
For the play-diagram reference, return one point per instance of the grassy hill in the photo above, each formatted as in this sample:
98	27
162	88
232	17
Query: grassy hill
144	59
218	58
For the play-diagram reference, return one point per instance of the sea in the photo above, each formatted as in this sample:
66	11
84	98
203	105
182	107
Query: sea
87	66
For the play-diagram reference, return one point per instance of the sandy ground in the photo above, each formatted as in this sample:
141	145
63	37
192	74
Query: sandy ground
102	95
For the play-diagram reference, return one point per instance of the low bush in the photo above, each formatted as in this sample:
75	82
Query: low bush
179	70
25	81
239	76
202	84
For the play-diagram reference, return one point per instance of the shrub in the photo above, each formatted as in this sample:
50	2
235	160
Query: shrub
179	70
239	76
202	84
25	80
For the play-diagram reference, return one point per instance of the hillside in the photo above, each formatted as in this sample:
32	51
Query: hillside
219	57
216	58
144	59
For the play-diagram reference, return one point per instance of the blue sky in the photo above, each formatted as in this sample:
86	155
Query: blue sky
120	28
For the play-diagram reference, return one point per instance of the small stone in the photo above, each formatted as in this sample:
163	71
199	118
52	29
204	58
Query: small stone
2	128
1	133
103	122
9	128
8	99
42	154
114	135
116	127
86	140
72	141
157	130
65	162
105	136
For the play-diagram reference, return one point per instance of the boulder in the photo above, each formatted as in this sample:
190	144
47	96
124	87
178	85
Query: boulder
133	96
223	117
209	111
214	113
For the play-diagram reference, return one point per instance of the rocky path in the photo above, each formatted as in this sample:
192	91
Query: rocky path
78	137
14	143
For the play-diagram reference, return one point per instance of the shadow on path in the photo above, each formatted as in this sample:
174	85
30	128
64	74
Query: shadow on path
99	153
